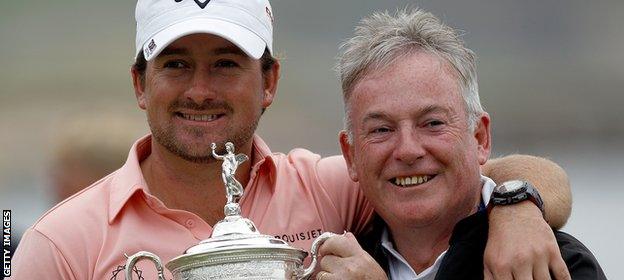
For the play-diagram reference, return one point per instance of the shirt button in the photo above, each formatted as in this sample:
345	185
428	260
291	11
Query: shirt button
190	223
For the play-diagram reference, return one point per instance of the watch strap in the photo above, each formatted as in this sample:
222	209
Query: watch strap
526	192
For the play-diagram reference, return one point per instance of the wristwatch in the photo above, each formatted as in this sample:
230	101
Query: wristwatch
512	192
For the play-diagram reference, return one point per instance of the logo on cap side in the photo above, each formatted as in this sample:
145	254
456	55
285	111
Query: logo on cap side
150	48
198	2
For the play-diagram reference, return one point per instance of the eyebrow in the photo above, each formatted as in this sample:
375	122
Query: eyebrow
172	51
375	116
427	110
229	50
433	109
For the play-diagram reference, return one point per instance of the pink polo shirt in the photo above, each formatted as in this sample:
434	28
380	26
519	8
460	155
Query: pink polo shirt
294	197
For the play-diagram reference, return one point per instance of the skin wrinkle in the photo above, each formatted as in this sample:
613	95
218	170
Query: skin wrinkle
386	61
200	78
382	38
398	141
160	78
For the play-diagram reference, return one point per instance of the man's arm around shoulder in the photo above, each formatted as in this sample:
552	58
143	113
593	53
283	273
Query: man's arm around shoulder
546	176
537	253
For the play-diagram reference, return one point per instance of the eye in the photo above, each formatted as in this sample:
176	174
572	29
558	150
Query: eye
175	64
434	125
379	130
226	63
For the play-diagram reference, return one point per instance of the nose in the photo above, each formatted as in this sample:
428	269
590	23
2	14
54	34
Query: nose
409	148
201	87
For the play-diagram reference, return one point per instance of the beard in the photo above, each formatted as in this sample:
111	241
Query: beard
166	135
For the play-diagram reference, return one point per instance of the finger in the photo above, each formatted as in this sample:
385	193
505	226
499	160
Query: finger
322	275
329	246
540	270
503	274
341	245
498	270
487	274
331	263
522	267
523	273
559	268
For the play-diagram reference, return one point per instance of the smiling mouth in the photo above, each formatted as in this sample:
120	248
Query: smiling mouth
411	181
200	117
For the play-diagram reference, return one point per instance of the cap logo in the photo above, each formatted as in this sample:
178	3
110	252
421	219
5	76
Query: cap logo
150	48
198	2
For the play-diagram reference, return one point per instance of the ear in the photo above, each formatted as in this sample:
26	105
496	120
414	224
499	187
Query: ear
139	87
483	137
347	153
271	78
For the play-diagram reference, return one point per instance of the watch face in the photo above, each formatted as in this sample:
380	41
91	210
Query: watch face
511	186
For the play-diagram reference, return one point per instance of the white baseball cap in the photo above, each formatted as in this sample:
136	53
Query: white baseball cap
245	23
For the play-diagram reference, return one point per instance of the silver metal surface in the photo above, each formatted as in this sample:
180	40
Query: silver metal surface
236	250
510	186
233	188
132	260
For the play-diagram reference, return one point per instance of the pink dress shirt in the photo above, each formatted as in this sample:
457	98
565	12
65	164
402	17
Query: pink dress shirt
294	197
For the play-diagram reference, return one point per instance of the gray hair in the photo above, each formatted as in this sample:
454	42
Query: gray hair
381	38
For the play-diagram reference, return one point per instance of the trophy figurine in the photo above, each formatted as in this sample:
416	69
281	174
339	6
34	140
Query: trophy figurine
233	188
233	222
235	250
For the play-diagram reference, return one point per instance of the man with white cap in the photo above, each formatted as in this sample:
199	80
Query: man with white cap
205	73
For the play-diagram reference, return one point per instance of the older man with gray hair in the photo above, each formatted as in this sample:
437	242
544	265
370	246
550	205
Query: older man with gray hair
415	139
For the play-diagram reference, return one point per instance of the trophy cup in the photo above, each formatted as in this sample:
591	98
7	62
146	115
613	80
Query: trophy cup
235	250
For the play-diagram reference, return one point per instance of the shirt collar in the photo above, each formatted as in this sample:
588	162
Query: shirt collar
487	189
129	179
263	155
398	266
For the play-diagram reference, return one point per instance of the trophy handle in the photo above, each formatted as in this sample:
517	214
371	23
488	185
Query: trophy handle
314	253
144	255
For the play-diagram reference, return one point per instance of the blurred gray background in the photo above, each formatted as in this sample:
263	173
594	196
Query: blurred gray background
550	75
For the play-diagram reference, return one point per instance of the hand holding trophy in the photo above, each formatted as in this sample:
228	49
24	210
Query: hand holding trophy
235	250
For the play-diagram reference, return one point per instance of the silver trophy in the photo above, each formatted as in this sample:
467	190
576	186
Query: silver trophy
236	250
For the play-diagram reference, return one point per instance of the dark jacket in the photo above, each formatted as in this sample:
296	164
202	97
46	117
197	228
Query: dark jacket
464	258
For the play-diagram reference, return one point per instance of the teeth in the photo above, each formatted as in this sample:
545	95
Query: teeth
411	181
202	118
